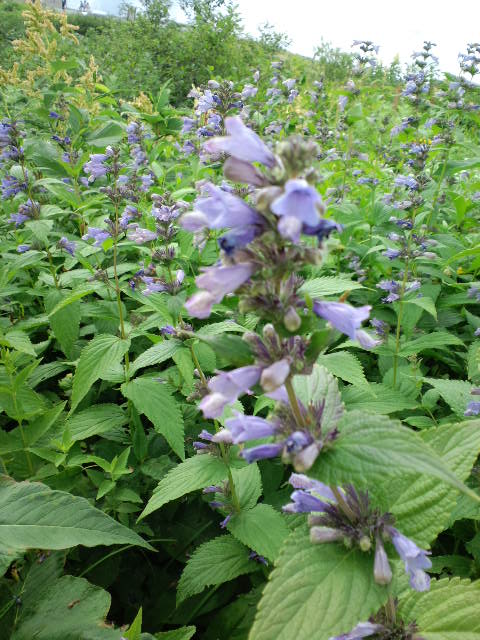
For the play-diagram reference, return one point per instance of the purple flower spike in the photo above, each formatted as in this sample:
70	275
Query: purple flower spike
346	319
22	248
244	428
241	143
140	235
226	387
300	481
415	560
362	630
219	281
200	304
261	452
219	210
96	234
473	409
304	502
240	171
275	375
300	201
67	245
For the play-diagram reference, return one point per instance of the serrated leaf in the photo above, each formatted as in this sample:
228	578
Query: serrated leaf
321	388
195	473
154	400
248	485
70	609
19	340
214	562
371	448
316	592
427	304
183	633
423	508
98	419
378	398
449	611
96	359
217	328
435	340
344	365
474	361
456	393
262	529
155	355
184	362
34	516
328	286
65	322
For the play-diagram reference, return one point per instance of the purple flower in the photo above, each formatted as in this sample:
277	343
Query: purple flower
154	285
323	229
226	387
382	572
253	555
218	210
11	186
188	124
238	238
346	319
473	409
415	560
241	143
304	502
67	245
140	235
262	452
289	83
342	102
96	166
406	181
205	102
249	91
300	201
362	630
22	248
476	333
98	235
391	254
54	115
244	428
240	171
275	375
18	219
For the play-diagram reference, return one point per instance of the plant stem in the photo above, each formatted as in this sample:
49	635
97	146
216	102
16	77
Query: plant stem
231	483
197	366
343	504
294	403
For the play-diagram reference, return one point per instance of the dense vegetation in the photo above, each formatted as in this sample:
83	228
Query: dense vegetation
239	340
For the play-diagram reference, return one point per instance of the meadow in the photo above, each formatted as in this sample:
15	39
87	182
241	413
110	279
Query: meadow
239	334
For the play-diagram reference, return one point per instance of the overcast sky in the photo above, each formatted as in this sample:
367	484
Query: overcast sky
398	27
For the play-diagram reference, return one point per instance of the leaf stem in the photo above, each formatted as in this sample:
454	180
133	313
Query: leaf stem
294	403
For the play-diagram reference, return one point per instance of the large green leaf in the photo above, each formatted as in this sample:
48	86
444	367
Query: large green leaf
214	562
372	448
70	609
344	365
449	611
107	134
34	516
154	400
183	633
436	340
316	591
98	419
423	508
262	529
97	358
456	393
65	322
328	286
377	398
155	355
195	473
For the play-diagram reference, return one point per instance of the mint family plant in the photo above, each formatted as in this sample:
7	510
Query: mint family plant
239	346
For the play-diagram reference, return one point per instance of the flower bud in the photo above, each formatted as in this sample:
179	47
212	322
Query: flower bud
364	543
292	320
318	535
275	375
381	567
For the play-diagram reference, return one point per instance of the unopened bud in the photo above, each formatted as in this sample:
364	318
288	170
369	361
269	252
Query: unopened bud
292	320
275	375
365	543
381	566
318	535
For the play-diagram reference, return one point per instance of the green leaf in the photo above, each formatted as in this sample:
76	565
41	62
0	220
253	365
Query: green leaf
435	340
70	609
154	400
423	508
184	362
183	633
108	134
449	611
17	339
155	355
427	304
371	448
34	516
214	562
248	485
97	358
195	473
328	286
344	365
474	361
316	592
377	398
217	328
98	419
135	629
320	387
456	393
69	299
262	529
65	322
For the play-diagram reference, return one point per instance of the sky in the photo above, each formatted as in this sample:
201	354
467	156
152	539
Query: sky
398	27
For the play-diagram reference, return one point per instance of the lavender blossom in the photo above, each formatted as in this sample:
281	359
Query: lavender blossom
241	143
473	409
262	452
300	201
346	319
243	428
362	630
226	387
67	245
415	560
140	235
98	235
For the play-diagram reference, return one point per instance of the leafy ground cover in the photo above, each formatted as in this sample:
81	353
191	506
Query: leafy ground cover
239	361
